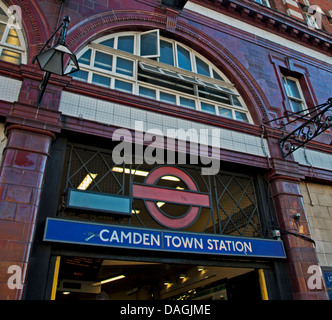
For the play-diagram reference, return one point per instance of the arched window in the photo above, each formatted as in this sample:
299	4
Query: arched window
158	68
12	44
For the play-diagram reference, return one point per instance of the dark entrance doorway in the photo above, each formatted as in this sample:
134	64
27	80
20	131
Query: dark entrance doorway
91	279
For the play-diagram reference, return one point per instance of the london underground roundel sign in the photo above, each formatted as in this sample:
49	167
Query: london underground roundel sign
151	193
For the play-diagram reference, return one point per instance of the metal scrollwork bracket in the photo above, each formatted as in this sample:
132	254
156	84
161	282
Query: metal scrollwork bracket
309	130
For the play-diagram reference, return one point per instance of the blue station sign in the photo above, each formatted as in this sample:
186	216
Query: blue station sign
95	234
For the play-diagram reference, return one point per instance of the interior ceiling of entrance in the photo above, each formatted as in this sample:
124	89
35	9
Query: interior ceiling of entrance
146	280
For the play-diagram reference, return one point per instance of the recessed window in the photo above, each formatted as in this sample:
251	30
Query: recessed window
162	69
184	61
294	94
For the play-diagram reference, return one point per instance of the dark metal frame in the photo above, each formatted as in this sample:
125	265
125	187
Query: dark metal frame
222	218
313	127
308	131
229	217
98	152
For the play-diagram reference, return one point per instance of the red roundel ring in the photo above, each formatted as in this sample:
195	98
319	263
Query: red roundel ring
151	193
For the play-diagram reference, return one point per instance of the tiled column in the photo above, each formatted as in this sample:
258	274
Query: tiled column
21	179
301	253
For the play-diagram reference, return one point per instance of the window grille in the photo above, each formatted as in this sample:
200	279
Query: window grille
237	205
234	206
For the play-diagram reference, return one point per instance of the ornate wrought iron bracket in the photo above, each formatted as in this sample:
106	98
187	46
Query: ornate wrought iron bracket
317	124
309	130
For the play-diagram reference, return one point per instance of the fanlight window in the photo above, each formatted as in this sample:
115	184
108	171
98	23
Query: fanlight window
154	67
12	46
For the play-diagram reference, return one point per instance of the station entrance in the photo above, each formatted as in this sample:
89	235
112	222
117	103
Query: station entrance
101	279
166	232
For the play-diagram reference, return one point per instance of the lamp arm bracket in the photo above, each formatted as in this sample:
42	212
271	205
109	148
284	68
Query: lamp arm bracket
47	42
309	130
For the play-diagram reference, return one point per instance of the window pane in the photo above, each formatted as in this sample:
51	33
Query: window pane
149	44
13	38
2	30
124	66
10	56
296	105
286	86
108	43
166	53
236	101
208	108
148	93
123	86
103	61
217	76
80	75
183	58
241	116
202	67
126	43
85	59
166	97
101	80
187	103
224	112
293	89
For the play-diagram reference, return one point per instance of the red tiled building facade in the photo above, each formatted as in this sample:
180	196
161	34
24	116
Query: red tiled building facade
234	66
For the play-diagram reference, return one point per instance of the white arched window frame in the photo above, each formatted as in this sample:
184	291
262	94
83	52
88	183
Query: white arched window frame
162	69
12	42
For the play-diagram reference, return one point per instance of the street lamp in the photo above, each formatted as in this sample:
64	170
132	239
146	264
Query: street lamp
52	60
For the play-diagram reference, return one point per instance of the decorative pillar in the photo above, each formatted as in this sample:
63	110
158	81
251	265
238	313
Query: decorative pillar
21	180
302	260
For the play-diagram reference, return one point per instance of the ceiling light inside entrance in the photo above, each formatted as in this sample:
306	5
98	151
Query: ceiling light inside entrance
142	173
87	181
112	279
